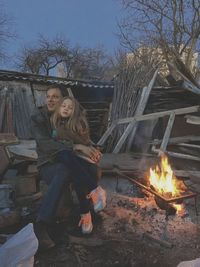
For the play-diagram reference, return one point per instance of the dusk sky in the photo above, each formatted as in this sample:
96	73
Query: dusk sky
84	22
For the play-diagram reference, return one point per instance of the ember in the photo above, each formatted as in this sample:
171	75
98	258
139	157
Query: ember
164	181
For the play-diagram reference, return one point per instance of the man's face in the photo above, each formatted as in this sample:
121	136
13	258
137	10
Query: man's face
53	97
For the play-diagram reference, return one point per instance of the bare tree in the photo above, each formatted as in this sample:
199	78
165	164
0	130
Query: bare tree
173	25
47	55
92	63
6	32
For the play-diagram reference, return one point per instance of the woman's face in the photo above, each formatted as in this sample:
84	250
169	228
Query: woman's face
66	108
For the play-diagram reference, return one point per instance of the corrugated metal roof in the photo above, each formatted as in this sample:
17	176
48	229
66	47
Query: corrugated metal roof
13	75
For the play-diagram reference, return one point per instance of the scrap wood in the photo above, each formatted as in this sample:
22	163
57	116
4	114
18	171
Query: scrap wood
23	153
189	151
8	138
132	127
189	145
77	258
163	243
96	242
186	173
180	139
176	155
90	242
195	179
192	119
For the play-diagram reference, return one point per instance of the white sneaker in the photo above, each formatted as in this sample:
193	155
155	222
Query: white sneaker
86	223
98	197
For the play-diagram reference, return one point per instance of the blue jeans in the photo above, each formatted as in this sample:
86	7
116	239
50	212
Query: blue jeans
83	175
57	177
67	169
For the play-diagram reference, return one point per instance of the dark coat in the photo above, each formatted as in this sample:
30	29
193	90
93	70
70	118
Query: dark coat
47	147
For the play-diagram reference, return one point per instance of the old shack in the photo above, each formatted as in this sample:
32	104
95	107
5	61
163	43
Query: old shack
21	92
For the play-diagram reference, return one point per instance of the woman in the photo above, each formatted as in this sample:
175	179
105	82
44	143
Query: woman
69	123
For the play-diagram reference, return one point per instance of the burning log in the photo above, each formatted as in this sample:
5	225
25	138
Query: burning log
163	205
165	187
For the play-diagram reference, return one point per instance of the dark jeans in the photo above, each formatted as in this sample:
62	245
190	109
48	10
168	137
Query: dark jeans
68	169
83	175
57	176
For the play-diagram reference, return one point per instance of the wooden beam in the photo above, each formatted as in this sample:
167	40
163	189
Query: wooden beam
132	127
121	141
167	132
151	116
2	107
187	173
176	154
106	134
189	145
193	119
175	140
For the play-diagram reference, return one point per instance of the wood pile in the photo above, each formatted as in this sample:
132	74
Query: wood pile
130	86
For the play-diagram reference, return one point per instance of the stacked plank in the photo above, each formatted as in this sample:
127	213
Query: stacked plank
130	88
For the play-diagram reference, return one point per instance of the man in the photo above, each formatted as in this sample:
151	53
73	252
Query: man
55	174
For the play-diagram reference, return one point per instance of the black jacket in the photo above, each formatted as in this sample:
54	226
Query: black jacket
47	147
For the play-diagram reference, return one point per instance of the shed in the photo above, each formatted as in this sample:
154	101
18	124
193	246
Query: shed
21	92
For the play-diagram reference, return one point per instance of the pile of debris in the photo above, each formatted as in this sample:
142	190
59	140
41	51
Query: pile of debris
18	176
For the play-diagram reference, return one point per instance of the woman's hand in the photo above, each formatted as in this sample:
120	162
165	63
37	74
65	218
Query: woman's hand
89	151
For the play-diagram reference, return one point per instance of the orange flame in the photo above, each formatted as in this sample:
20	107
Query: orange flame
163	180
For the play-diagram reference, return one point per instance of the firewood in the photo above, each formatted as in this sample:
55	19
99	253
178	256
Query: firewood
163	243
90	242
96	242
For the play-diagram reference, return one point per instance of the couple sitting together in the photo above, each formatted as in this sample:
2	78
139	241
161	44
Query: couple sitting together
65	156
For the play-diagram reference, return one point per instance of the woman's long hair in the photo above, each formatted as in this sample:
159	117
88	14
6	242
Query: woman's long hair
77	122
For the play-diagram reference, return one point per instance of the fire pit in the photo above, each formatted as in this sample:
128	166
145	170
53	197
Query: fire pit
169	191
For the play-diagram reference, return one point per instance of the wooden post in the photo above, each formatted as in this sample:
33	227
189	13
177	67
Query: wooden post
167	133
123	137
106	134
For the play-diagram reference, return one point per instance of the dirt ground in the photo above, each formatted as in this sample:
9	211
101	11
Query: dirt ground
131	231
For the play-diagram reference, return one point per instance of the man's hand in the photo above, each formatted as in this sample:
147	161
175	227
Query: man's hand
89	151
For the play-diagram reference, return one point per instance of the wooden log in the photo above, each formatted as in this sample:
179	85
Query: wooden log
90	242
95	242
